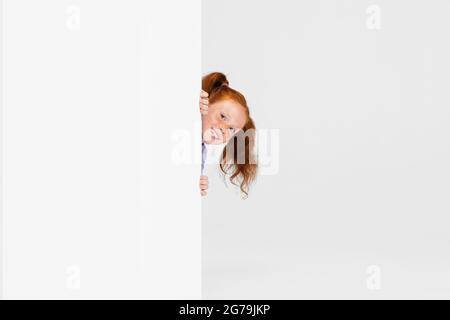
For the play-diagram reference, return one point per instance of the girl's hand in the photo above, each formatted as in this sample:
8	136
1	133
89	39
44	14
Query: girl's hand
203	185
204	102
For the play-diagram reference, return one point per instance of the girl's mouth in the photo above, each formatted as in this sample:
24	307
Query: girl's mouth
214	134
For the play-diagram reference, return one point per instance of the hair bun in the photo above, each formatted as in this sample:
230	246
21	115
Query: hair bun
214	82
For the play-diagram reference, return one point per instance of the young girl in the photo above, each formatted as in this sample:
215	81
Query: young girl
225	119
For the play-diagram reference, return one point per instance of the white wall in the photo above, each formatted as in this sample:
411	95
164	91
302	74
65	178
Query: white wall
359	207
93	204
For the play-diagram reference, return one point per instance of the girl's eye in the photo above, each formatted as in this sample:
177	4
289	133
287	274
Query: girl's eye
222	116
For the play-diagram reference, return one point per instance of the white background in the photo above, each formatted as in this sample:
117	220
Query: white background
363	183
93	205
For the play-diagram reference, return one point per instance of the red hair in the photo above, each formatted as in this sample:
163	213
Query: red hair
239	163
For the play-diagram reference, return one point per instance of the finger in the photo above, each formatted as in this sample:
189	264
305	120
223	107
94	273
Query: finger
204	94
204	101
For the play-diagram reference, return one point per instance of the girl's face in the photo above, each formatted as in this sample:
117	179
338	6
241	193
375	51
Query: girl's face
223	120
